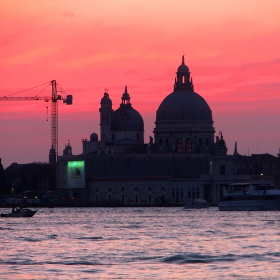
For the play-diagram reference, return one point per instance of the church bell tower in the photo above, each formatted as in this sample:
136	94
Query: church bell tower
106	117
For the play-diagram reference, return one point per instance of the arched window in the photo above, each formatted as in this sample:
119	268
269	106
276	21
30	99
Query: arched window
173	193
149	189
136	189
182	193
177	195
222	169
189	193
206	141
109	189
188	145
179	145
96	189
123	189
193	193
160	142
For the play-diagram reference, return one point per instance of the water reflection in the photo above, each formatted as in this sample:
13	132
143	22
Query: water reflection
140	243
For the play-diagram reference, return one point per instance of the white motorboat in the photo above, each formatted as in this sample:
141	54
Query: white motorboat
250	197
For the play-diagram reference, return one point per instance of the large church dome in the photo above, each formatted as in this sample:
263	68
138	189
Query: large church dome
184	121
184	105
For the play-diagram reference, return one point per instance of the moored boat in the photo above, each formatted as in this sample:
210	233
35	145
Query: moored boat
20	212
250	197
196	204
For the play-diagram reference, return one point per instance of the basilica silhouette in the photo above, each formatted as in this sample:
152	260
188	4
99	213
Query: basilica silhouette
183	160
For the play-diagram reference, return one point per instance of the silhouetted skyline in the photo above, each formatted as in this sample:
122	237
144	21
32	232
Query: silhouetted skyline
232	51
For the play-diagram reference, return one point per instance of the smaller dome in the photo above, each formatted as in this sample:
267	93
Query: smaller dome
127	119
93	137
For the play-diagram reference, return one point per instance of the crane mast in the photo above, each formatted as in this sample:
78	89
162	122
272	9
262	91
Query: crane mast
54	112
54	119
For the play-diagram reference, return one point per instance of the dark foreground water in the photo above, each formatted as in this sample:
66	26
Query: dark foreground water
140	243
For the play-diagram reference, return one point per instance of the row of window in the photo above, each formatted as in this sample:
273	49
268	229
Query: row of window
188	144
179	145
110	199
179	193
135	189
242	170
177	196
193	189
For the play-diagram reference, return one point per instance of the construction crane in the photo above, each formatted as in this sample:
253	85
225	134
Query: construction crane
54	113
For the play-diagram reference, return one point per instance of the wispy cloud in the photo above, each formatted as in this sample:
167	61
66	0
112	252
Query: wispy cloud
67	15
28	56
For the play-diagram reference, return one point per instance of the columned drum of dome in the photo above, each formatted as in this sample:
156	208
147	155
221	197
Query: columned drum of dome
184	115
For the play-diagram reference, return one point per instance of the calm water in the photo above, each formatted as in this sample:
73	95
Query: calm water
140	243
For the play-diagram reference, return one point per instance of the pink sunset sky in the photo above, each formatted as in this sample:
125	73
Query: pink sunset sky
232	49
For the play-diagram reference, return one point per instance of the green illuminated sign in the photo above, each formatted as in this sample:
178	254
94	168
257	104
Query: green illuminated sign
75	169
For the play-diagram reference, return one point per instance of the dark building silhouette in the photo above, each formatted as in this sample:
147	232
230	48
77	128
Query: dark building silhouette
183	160
33	177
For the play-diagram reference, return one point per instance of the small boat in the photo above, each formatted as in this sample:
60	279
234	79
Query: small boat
20	212
250	197
196	204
